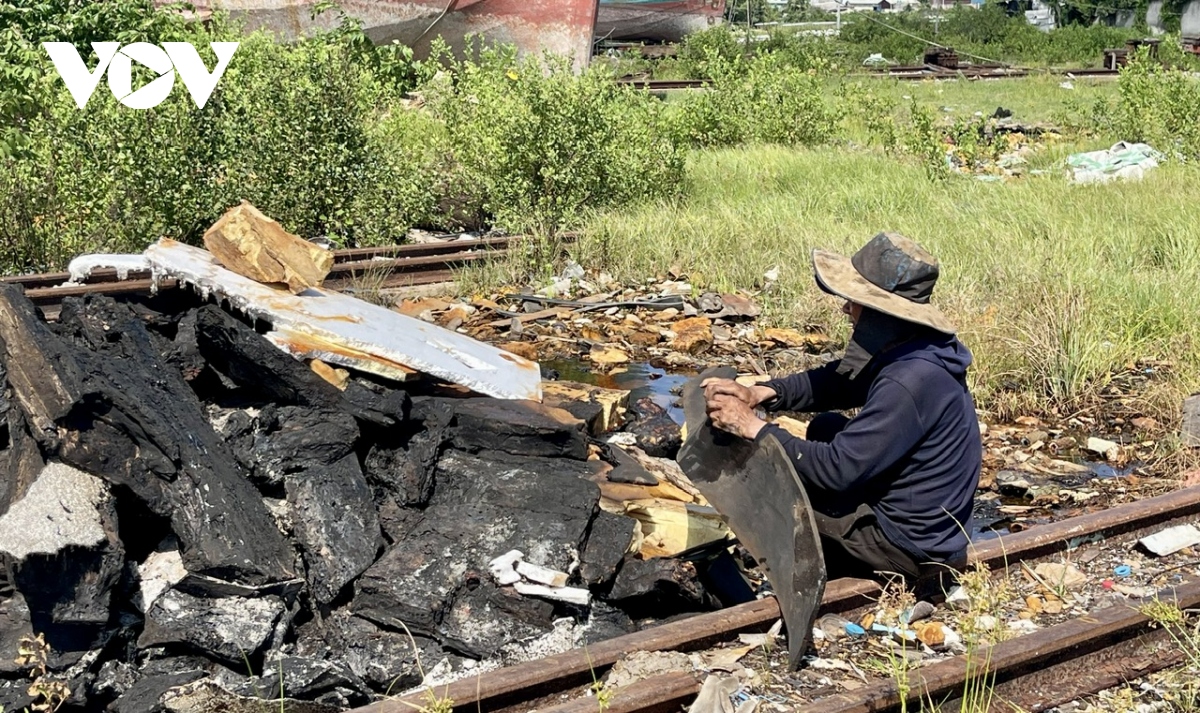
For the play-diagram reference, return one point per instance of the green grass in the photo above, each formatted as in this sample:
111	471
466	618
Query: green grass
1054	286
1031	99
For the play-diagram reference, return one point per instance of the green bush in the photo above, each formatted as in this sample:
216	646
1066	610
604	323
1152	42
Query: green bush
535	146
770	102
319	134
1158	106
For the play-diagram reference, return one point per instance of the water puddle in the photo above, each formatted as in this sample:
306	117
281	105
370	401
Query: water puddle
640	379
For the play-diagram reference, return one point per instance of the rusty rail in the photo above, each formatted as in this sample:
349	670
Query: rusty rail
524	682
398	265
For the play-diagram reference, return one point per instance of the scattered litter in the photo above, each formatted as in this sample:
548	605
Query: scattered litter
1109	449
1058	575
716	695
1171	540
1022	626
958	599
503	568
1123	570
570	595
541	575
1123	160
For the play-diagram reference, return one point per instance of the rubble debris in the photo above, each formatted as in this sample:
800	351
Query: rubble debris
249	243
208	695
61	540
484	618
518	427
609	539
20	457
146	694
483	502
1059	575
151	436
1125	161
1171	540
370	335
659	587
384	660
670	527
640	665
1191	421
657	434
161	571
598	407
335	522
1109	449
246	358
339	378
64	508
228	629
626	468
570	595
504	567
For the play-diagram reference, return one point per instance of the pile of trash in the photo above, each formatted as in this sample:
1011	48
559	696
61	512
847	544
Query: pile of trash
257	487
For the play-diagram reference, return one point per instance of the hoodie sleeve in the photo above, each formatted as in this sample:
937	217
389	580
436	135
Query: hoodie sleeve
820	389
886	429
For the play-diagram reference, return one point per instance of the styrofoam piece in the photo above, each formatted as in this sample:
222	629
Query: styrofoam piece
542	575
1171	540
503	570
81	267
571	595
373	336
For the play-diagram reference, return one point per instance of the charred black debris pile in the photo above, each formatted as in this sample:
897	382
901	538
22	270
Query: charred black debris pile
187	515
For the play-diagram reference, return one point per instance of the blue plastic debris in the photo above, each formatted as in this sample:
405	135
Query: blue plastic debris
1123	570
853	629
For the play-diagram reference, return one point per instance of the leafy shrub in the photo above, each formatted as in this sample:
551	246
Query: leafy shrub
1158	106
537	146
771	102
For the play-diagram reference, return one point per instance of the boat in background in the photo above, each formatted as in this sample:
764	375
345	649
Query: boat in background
656	20
562	27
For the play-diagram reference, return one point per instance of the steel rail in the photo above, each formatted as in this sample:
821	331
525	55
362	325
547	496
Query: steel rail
530	680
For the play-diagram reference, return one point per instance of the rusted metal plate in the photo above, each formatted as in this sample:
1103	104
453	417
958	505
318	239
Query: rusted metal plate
755	487
659	20
384	339
559	26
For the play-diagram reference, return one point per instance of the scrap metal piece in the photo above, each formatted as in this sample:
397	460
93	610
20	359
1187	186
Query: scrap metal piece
754	486
372	338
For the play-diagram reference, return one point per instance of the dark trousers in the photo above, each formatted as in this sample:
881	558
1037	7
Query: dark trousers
851	539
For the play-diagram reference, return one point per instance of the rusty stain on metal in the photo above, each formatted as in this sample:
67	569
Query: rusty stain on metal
562	27
368	337
307	346
659	20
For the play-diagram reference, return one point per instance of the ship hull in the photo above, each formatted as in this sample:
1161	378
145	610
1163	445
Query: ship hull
656	20
562	27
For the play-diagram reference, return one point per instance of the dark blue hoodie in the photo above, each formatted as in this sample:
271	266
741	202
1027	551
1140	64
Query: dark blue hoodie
913	452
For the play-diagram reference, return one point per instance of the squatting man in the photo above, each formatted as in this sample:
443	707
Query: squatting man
891	487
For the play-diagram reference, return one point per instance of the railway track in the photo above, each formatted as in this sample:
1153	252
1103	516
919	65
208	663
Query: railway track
914	73
1057	664
384	267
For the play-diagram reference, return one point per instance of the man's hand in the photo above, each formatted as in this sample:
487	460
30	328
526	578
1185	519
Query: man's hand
749	395
734	415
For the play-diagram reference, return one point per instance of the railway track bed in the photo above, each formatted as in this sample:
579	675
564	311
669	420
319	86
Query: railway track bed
1100	637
